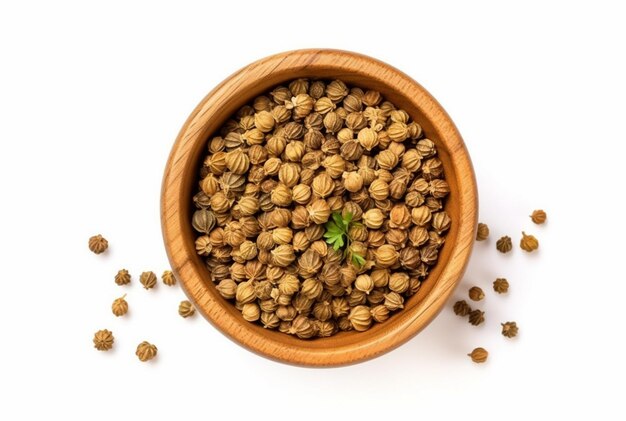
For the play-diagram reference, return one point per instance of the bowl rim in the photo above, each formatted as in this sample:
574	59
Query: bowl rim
173	222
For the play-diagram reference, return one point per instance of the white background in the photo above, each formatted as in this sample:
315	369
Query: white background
91	100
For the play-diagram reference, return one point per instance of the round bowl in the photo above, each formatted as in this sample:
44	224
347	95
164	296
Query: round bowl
180	181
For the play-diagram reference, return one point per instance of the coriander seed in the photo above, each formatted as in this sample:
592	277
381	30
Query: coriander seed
98	244
504	244
528	243
539	216
146	351
186	309
148	279
168	278
361	318
482	233
501	286
509	329
476	317
479	355
122	277
461	308
103	340
476	294
120	306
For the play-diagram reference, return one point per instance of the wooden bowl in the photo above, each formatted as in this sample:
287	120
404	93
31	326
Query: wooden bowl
180	183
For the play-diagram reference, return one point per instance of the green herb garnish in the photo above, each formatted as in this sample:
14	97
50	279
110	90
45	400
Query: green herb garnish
337	235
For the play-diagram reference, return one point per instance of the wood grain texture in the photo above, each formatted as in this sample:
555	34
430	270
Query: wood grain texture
180	183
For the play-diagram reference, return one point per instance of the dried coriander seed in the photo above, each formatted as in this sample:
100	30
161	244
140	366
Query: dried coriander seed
168	278
302	327
361	318
227	288
122	277
380	313
476	294
479	355
483	232
364	283
501	286
251	312
528	243
103	340
476	317
98	244
394	301
461	308
504	244
186	309
398	282
269	320
509	329
203	221
146	351
119	306
539	216
386	256
148	279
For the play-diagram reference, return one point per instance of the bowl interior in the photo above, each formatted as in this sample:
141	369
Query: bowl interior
241	88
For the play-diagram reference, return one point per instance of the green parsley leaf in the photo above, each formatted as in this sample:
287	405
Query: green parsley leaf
338	243
358	260
338	221
337	234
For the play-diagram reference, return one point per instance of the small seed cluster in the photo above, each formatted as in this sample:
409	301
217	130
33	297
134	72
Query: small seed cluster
461	308
103	339
279	170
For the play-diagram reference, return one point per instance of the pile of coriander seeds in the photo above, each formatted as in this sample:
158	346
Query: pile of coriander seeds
320	208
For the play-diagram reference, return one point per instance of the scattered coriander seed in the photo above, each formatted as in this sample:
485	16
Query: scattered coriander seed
501	286
538	216
476	294
186	309
98	244
509	329
528	242
103	340
479	355
146	351
148	279
122	277
504	244
476	317
120	306
461	308
168	278
482	233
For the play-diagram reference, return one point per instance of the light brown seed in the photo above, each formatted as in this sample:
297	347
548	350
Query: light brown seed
186	309
98	244
103	340
479	355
